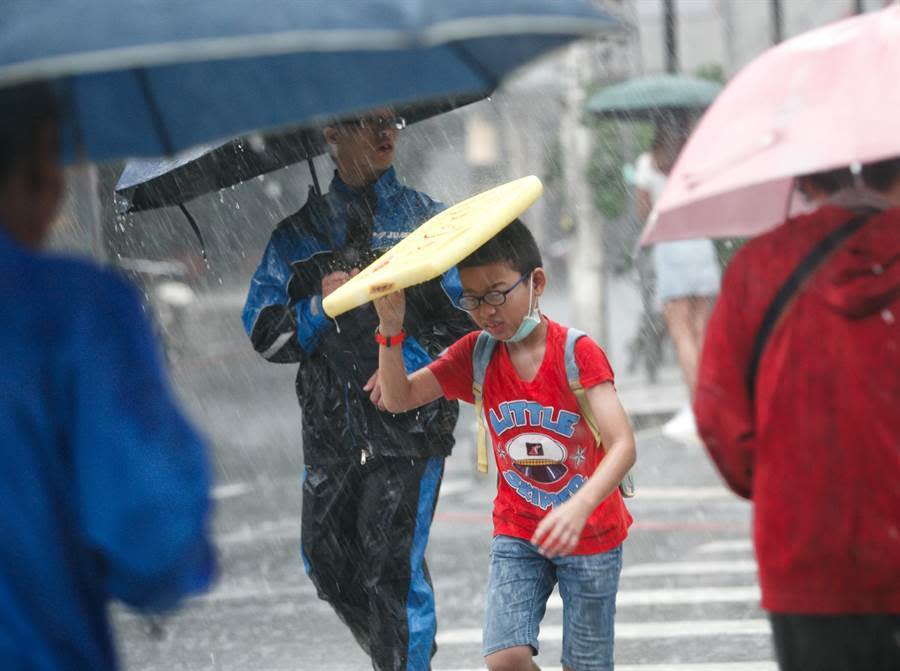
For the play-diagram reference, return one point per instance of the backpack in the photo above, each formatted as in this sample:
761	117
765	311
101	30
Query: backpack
481	357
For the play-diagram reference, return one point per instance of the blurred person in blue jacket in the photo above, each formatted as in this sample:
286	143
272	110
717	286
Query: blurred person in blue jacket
371	477
104	488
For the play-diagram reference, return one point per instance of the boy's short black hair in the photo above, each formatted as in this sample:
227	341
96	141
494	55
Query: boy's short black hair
23	109
514	245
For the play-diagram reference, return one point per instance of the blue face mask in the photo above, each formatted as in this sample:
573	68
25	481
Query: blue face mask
531	320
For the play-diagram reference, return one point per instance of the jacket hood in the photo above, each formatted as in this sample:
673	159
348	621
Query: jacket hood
863	275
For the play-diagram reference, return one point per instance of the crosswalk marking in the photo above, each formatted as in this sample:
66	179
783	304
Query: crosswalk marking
691	568
634	630
675	666
230	490
670	595
734	545
719	666
707	564
272	530
255	591
636	597
450	487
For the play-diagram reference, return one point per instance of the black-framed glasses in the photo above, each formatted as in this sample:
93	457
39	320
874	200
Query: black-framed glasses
379	123
470	303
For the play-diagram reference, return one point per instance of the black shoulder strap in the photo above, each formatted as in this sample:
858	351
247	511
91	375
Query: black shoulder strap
791	286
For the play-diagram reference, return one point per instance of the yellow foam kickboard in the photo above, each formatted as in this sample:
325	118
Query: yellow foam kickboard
437	245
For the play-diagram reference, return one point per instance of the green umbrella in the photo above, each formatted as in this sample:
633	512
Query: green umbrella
646	97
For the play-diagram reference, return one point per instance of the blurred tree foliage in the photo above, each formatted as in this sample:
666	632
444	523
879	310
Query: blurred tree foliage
711	71
552	161
614	147
607	167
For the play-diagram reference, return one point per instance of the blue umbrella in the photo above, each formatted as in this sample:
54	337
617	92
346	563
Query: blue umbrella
152	77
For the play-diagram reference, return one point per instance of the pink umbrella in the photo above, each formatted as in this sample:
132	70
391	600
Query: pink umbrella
822	100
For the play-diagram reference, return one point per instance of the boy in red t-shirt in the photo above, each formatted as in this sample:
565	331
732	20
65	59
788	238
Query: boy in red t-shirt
558	514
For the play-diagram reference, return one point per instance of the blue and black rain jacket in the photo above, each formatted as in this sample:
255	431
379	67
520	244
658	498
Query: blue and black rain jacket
343	229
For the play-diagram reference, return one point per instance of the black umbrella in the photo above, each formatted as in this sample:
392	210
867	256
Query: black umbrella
147	185
152	184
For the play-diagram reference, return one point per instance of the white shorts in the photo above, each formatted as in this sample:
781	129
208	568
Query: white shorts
686	268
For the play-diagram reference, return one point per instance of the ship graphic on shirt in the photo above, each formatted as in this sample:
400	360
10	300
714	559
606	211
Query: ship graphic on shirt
538	459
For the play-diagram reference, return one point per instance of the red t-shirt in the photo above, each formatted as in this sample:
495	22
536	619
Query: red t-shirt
543	449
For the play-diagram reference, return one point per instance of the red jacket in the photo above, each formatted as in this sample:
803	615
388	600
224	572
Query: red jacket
818	448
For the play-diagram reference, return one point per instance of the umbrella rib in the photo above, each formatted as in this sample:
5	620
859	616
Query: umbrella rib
199	50
451	31
492	80
315	177
165	139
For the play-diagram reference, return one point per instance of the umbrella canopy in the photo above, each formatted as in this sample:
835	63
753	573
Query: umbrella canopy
822	100
645	97
147	184
147	78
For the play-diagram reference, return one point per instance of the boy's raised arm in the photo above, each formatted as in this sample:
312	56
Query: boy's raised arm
399	392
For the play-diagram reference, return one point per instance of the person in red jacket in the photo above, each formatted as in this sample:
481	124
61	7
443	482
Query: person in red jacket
811	433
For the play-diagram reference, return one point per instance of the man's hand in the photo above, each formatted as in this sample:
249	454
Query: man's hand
391	309
559	532
334	280
374	387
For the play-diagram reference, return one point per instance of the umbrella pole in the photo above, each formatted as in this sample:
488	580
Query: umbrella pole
315	178
777	22
671	35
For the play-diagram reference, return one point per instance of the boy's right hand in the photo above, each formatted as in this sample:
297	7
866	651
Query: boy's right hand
391	309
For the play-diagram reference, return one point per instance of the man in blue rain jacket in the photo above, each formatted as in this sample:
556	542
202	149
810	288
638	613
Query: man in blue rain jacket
372	478
103	484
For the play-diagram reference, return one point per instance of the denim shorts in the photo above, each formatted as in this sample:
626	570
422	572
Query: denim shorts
521	580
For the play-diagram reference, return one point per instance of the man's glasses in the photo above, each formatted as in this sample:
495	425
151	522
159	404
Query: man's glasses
379	123
470	303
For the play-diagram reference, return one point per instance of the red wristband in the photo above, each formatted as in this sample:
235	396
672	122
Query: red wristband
389	341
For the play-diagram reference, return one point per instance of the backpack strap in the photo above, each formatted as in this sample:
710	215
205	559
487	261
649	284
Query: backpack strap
791	287
481	357
573	375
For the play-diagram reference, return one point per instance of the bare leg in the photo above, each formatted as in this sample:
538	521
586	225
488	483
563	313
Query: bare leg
678	314
701	308
518	658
